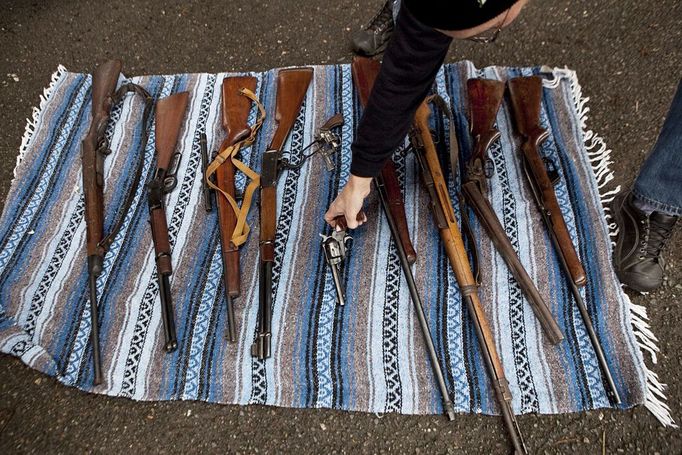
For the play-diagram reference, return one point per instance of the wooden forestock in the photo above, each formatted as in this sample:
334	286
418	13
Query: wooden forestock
104	81
526	100
365	71
236	108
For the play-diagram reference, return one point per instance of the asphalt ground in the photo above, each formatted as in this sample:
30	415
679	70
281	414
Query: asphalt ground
628	57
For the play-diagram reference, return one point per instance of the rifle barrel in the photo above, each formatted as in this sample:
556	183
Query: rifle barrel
94	332
499	383
493	227
416	300
607	377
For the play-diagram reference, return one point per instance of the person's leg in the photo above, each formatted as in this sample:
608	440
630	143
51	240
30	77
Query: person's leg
658	186
373	37
646	215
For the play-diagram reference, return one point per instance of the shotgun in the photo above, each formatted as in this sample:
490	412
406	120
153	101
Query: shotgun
444	217
365	72
526	101
94	149
170	112
292	85
485	97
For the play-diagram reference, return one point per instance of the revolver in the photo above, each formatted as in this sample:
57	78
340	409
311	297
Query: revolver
335	247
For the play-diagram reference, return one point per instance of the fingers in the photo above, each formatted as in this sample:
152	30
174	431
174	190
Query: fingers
348	204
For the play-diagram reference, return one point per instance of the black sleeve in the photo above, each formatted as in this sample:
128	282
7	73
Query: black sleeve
410	64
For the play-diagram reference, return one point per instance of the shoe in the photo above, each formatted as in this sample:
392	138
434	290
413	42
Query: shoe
640	240
373	37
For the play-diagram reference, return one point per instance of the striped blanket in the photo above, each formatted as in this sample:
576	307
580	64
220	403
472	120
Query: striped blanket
367	356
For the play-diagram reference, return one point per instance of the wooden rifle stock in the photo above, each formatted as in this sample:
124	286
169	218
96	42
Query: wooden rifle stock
236	110
485	97
292	85
526	101
365	71
170	112
444	215
104	81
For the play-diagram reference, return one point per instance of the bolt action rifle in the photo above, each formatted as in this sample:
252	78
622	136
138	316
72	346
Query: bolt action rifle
444	217
170	112
526	101
95	148
365	72
485	97
292	85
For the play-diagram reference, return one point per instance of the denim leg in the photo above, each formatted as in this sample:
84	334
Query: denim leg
659	183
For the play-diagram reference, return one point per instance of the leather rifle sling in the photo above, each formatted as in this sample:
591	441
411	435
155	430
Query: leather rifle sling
242	229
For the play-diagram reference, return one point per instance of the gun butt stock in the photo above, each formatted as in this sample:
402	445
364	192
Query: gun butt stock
485	97
292	85
170	111
104	81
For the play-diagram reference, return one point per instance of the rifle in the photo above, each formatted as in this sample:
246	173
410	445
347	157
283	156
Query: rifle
444	217
236	104
95	148
365	72
526	101
485	97
170	112
292	85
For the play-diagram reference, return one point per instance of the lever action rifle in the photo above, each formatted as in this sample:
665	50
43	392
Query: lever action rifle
444	217
236	108
365	72
170	112
95	148
485	97
526	101
292	85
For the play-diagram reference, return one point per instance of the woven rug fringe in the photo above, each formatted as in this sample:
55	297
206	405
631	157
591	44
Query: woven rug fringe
32	123
600	159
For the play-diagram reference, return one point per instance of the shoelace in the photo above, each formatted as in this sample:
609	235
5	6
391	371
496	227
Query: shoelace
383	19
655	236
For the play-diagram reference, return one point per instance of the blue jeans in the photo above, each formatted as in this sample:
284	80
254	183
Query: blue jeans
659	183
